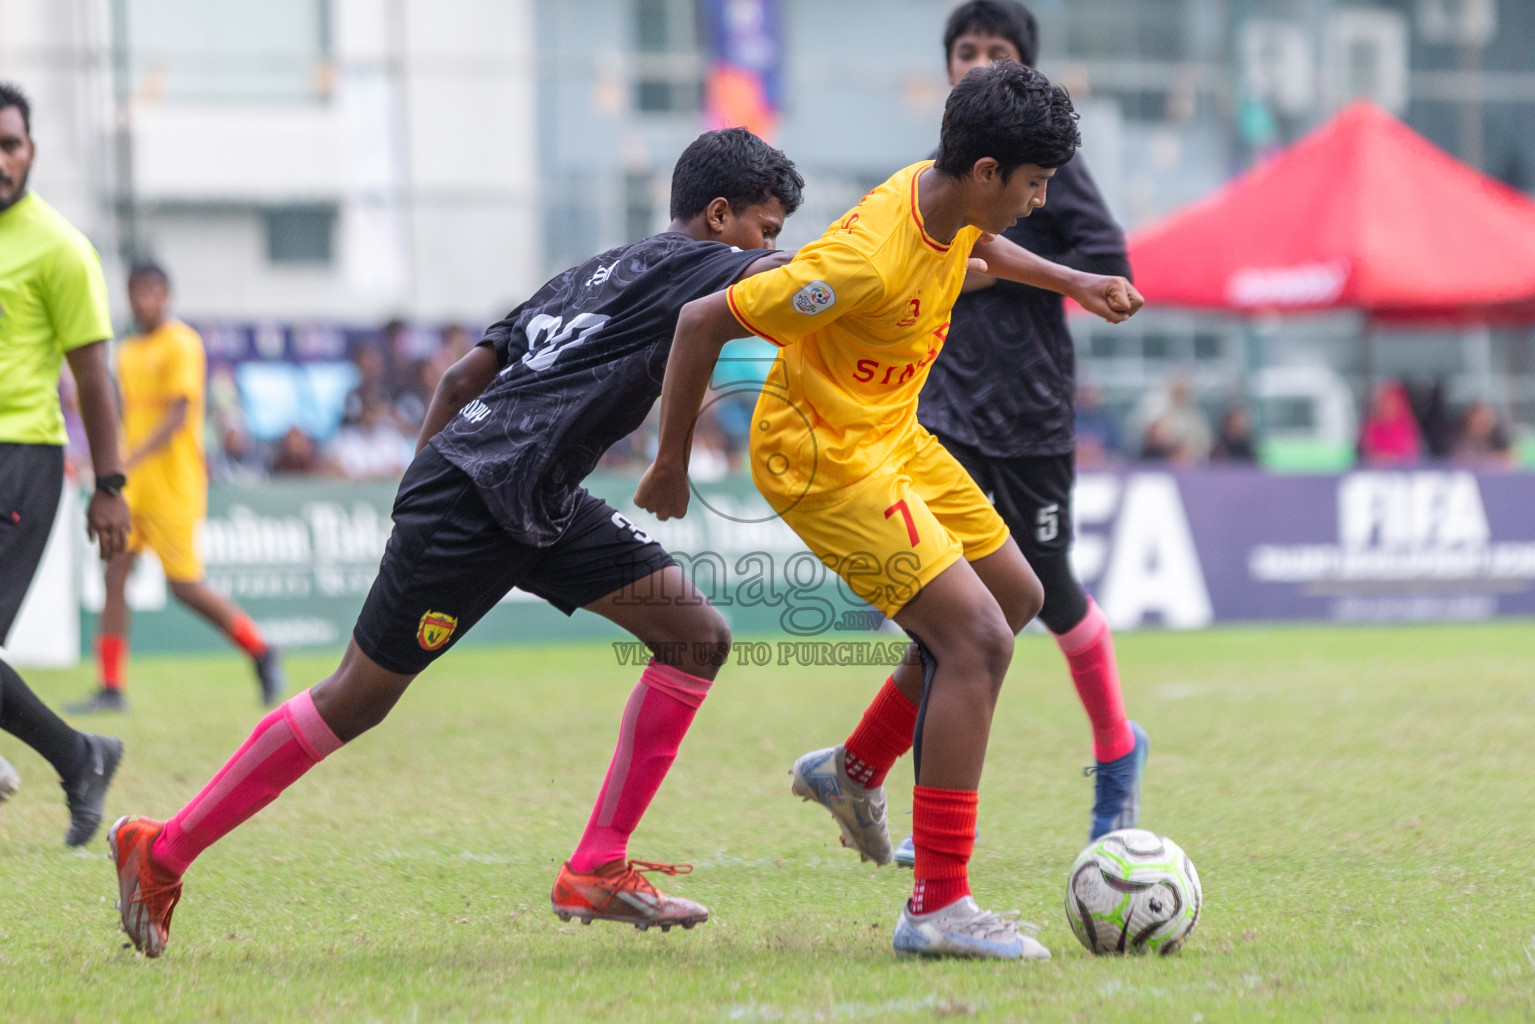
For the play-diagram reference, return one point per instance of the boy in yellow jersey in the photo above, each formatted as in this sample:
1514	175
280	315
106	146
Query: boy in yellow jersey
161	374
860	314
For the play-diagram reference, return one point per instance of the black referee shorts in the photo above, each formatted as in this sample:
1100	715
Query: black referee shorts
31	480
1032	493
448	562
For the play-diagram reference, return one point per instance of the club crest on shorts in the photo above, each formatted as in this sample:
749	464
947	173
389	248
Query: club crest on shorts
814	297
435	629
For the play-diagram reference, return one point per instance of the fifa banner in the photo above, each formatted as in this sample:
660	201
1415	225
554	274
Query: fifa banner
1172	549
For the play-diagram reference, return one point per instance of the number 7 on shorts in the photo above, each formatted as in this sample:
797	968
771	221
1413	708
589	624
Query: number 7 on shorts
911	527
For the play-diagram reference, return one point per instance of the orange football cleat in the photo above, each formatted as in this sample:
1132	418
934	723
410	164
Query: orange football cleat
147	893
620	892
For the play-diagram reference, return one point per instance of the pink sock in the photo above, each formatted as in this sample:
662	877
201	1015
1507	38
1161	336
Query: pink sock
656	718
1089	650
286	744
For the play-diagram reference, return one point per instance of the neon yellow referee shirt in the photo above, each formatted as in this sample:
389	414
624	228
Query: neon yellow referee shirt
53	299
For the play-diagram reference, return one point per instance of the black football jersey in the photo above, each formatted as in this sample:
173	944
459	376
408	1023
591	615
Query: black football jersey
1006	382
581	366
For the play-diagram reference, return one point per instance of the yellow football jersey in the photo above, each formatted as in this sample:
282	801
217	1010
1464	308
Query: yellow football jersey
153	371
859	315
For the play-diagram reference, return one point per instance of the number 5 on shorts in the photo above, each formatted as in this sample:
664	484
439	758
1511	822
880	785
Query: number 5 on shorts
1048	524
911	527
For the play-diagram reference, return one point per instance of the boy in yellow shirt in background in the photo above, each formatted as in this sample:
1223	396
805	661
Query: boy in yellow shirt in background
161	374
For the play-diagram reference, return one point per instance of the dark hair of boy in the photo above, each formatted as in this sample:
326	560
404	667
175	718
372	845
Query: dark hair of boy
148	269
1011	21
736	165
1011	113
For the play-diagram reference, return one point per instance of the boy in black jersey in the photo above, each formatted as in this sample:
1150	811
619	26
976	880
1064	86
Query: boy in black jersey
494	500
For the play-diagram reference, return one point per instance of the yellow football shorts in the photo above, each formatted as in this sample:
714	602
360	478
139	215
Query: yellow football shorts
171	533
890	534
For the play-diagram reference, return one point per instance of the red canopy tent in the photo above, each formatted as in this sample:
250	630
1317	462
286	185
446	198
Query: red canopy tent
1363	214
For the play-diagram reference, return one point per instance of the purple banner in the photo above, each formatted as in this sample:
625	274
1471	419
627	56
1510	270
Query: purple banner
304	343
1190	548
744	85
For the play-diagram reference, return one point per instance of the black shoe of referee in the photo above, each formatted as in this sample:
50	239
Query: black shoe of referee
87	794
102	700
274	678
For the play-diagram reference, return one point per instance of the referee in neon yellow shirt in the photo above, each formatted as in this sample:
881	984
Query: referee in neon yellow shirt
53	305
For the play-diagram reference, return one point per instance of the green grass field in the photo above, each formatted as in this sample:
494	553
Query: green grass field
1358	803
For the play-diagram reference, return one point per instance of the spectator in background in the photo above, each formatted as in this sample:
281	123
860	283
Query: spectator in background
457	340
710	459
1099	441
1437	427
296	455
236	459
226	410
1482	442
372	381
1390	436
411	401
733	413
373	448
1174	429
394	346
404	347
1234	439
1158	444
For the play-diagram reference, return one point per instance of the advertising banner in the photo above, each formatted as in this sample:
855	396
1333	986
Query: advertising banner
744	83
1179	550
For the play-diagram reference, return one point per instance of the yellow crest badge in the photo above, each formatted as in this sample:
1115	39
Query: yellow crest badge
435	629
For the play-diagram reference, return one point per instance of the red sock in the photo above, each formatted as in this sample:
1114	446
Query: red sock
882	736
943	831
656	719
245	633
1089	650
111	652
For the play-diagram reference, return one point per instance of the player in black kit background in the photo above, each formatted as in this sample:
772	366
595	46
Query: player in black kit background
494	501
1001	398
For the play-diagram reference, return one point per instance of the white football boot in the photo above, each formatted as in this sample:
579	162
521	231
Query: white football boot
821	775
963	929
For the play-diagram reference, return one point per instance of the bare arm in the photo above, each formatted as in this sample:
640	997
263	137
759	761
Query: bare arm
703	328
772	261
976	280
166	429
463	382
106	517
1112	298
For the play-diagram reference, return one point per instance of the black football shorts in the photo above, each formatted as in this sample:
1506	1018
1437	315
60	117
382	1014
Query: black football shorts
31	482
448	562
1032	493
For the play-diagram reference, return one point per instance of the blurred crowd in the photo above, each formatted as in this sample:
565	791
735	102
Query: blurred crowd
396	370
396	374
1402	429
393	373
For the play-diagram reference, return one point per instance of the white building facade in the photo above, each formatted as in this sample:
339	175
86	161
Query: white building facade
339	160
